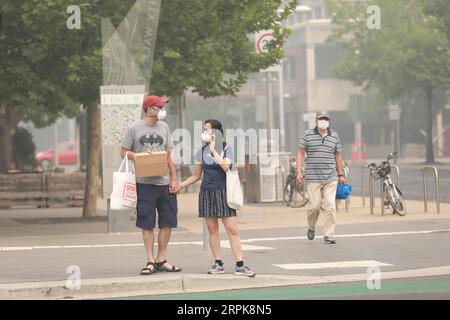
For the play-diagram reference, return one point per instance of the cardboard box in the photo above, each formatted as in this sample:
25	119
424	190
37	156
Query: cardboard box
151	165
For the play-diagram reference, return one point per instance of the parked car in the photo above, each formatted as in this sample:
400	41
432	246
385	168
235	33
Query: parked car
67	155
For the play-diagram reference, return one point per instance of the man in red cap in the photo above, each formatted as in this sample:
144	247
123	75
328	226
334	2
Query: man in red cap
155	194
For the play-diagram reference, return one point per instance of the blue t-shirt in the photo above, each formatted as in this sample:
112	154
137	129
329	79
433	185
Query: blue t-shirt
213	175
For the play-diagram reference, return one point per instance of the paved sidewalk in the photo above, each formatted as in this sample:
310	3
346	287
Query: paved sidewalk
271	233
54	221
185	283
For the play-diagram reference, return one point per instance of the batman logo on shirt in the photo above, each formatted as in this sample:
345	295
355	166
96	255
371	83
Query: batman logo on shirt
151	139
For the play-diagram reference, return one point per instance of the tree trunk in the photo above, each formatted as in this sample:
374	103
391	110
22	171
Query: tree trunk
8	121
93	161
429	127
176	108
5	146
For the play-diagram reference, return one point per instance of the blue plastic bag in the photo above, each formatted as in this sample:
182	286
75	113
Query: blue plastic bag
343	191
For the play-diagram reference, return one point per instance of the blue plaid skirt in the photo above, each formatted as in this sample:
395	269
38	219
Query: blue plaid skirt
213	203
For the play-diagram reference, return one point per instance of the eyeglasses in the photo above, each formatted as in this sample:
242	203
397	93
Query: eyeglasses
157	109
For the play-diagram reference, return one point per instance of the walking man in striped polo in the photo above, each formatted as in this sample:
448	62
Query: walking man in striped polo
323	172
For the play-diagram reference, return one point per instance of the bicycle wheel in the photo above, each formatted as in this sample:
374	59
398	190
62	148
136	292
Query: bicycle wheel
294	194
396	200
288	192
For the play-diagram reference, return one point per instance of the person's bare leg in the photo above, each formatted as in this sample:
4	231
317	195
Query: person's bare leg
214	240
148	237
163	241
231	226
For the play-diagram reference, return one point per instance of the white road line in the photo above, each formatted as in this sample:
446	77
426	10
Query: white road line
389	233
224	243
15	248
359	235
245	247
332	265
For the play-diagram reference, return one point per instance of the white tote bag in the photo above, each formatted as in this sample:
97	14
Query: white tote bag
235	198
124	194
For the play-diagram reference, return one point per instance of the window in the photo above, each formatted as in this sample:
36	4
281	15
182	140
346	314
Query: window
318	13
63	148
289	68
326	56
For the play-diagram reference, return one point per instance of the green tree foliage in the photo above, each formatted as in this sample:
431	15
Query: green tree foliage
27	86
410	52
205	45
23	148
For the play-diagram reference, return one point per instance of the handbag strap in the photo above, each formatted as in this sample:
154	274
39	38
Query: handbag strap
125	160
224	154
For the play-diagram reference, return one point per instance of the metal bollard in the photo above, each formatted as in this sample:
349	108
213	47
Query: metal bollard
372	189
425	189
347	177
363	189
382	196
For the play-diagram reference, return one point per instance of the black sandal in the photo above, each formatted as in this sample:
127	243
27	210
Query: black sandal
146	271
160	267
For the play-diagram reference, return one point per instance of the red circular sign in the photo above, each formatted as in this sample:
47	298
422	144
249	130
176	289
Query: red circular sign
261	41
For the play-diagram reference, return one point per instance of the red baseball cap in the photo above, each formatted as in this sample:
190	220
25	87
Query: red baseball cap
154	101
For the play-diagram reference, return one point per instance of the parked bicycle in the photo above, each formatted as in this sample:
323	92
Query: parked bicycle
294	194
392	194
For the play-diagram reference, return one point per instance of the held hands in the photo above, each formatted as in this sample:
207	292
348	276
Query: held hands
174	187
178	188
342	180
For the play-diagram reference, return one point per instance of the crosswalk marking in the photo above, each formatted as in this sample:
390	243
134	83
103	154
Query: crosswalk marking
15	248
354	235
244	242
245	247
332	265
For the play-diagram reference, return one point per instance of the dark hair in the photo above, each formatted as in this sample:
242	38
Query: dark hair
216	124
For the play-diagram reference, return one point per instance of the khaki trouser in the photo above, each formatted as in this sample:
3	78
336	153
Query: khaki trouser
322	196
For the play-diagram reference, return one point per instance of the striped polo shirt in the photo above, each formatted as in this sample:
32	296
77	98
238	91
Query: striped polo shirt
320	155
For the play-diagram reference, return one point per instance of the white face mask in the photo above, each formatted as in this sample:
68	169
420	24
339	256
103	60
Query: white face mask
206	137
162	114
323	124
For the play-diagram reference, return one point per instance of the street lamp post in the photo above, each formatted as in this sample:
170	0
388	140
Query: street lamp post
299	9
268	79
281	105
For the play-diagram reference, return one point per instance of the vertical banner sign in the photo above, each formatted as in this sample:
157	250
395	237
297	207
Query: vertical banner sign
128	51
120	106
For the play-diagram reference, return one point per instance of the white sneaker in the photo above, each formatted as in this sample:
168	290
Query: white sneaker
216	269
244	271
